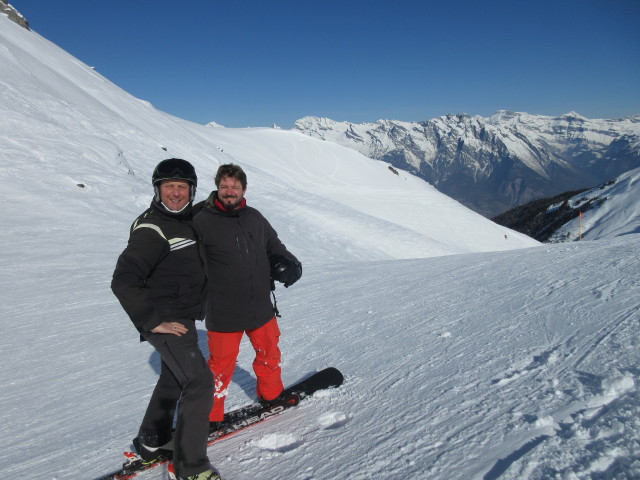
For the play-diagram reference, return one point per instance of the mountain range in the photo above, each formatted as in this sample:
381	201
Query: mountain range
491	164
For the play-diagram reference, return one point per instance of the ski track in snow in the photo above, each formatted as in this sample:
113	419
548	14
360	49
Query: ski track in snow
485	375
499	372
420	417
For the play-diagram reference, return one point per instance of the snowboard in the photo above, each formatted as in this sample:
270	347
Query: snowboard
241	419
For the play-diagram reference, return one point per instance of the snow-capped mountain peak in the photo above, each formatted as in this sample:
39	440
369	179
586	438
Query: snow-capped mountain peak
492	164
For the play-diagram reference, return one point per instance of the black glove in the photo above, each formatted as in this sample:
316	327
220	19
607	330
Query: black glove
285	270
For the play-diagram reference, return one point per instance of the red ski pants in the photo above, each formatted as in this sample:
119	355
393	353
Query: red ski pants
223	351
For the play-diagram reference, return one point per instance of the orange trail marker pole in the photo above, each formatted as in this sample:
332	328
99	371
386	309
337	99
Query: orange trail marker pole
580	225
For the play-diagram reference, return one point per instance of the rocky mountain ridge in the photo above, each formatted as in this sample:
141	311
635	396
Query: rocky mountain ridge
13	15
491	164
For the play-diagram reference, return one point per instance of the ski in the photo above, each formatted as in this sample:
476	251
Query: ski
240	419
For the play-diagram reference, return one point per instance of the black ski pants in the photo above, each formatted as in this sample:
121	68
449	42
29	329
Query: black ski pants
185	384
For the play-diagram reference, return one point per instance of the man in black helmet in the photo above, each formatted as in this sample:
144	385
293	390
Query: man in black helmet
160	280
244	256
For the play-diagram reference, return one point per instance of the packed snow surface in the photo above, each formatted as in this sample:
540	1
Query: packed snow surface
469	351
520	364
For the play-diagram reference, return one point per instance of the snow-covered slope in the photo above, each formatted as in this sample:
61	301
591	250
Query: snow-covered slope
609	210
520	364
493	164
67	126
511	365
614	210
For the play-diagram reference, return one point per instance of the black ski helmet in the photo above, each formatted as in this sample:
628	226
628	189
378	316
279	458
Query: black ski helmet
175	169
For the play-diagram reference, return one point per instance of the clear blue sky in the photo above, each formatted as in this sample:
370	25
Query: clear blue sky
258	62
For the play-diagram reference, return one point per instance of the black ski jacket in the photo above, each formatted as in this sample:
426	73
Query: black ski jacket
161	274
238	245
